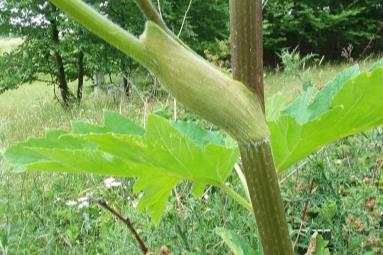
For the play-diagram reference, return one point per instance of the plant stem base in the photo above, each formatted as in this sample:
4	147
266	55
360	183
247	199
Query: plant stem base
266	198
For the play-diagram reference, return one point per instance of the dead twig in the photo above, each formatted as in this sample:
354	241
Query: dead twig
303	216
128	223
369	44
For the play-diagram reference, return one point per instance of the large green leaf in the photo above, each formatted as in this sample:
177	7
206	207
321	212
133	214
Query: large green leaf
350	103
159	157
198	134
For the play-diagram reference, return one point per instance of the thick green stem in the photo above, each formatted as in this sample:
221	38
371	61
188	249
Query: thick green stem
266	198
247	41
190	78
259	169
196	83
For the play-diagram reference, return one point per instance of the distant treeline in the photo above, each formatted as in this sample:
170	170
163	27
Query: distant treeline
323	27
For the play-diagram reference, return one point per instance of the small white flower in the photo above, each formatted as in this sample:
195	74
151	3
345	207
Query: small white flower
135	203
71	203
84	204
83	199
111	182
137	200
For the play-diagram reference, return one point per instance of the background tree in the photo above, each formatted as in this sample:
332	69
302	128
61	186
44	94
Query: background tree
42	28
322	27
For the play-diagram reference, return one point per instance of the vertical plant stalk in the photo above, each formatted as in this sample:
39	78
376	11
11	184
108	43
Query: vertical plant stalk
246	33
265	197
262	180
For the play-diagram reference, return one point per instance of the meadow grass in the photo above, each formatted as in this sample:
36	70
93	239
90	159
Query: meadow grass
35	217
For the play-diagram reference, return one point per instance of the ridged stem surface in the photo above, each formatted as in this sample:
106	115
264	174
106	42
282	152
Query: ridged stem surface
261	177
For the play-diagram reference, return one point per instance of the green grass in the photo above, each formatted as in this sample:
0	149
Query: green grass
342	186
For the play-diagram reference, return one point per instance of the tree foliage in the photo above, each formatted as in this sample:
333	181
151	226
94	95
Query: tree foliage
42	28
323	27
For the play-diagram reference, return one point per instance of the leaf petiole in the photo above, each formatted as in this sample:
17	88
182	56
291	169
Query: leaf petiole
234	195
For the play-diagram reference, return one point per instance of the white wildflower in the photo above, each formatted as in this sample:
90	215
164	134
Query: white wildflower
83	202
71	203
135	203
82	199
111	183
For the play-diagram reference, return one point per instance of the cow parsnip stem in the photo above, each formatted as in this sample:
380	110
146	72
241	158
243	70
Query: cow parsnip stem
258	164
266	198
193	81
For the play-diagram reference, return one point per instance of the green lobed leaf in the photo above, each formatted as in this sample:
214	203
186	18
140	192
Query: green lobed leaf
274	105
321	246
113	122
159	157
377	65
304	109
198	134
236	244
349	104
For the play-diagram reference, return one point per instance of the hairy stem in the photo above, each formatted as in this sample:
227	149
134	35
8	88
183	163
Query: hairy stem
247	37
266	198
190	78
238	198
258	164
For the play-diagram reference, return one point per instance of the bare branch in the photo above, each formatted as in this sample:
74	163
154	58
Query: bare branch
184	18
128	223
